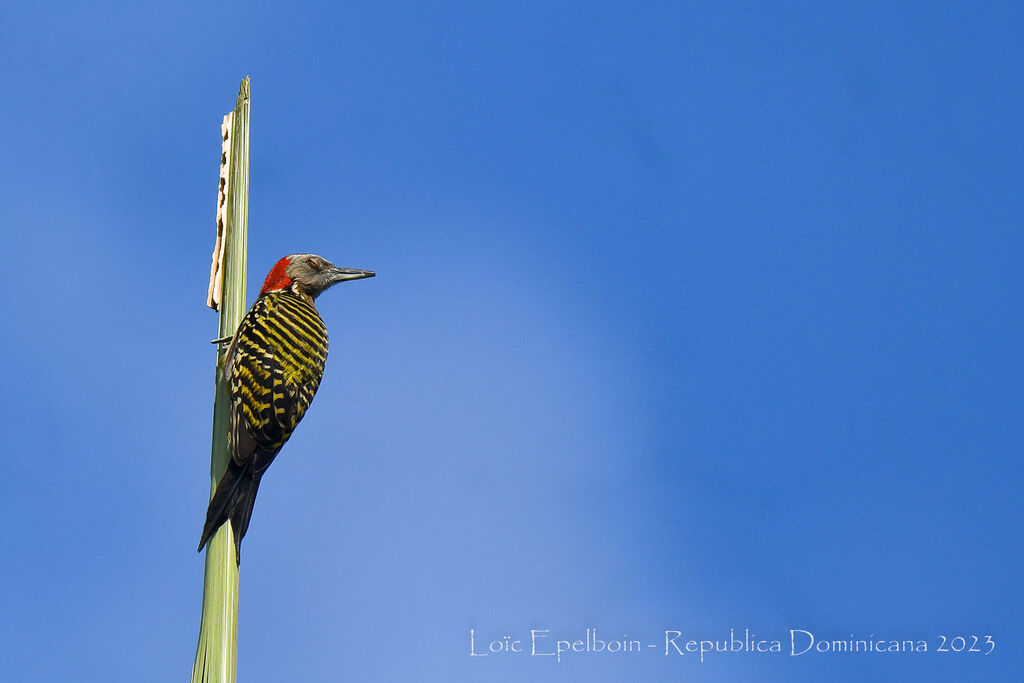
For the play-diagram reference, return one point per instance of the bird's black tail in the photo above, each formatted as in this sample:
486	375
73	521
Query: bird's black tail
233	500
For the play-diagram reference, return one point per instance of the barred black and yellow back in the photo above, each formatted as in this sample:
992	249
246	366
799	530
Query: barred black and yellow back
272	370
275	369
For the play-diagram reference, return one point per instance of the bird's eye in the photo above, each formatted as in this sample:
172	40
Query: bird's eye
313	263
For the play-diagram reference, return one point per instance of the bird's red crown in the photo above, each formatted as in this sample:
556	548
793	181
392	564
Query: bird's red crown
277	278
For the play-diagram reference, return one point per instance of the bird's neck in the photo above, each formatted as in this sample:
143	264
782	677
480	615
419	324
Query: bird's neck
293	291
297	290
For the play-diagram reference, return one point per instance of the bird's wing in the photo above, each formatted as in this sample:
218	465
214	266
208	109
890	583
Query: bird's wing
256	388
270	386
303	346
255	380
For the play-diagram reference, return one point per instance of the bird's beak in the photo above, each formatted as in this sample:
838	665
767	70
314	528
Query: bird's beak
342	274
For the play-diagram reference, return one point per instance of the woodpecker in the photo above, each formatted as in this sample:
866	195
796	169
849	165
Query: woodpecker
272	370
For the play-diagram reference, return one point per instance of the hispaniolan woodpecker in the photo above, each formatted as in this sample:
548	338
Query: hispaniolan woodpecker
272	370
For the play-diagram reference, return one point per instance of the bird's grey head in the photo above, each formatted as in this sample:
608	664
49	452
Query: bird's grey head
309	274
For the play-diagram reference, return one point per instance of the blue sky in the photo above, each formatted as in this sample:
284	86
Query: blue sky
688	317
